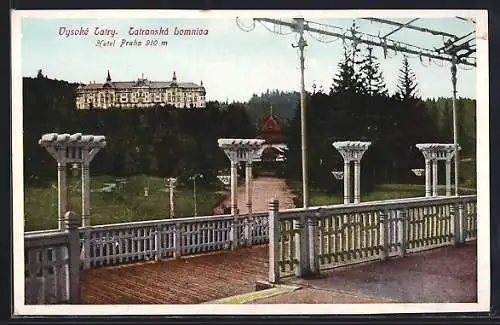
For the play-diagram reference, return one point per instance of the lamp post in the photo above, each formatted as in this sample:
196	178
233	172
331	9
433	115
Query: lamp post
171	186
299	25
193	178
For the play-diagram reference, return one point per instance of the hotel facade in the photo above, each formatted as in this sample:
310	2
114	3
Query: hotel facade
141	93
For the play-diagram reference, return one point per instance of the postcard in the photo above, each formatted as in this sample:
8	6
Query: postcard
250	162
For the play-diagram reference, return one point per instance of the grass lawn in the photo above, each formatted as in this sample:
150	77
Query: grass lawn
124	203
382	192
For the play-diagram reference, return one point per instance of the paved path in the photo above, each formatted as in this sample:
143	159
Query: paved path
265	188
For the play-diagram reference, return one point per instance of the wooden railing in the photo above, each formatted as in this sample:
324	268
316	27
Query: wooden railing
52	265
154	240
303	241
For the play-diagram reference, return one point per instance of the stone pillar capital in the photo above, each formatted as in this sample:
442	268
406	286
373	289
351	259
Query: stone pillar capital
351	151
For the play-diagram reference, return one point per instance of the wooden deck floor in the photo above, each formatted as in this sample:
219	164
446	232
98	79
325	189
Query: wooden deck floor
182	281
440	275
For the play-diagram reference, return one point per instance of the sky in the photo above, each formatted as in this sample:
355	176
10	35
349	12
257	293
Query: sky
233	63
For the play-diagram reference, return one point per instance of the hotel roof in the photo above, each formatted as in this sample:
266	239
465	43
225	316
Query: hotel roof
147	84
140	83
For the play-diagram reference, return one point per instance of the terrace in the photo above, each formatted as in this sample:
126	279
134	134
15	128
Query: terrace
406	250
400	250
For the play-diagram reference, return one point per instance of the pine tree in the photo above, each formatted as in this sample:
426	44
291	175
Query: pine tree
407	82
347	79
372	78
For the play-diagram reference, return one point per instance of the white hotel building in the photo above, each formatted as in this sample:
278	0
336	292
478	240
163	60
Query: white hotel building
140	93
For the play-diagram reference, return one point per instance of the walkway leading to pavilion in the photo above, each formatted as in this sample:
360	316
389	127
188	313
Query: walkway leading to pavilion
439	275
265	188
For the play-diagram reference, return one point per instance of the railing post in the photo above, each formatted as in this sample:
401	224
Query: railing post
72	222
461	223
158	243
85	253
178	240
248	221
401	222
274	248
234	232
384	236
314	242
301	251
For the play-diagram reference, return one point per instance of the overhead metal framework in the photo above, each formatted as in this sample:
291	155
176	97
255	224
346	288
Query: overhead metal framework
459	50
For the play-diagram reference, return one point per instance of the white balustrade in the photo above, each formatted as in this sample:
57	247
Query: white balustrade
348	234
163	239
342	234
52	266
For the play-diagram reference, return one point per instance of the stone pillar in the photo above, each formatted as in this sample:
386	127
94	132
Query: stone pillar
434	177
248	186
85	189
62	189
248	222
427	177
234	187
433	152
448	177
81	149
239	150
357	181
347	181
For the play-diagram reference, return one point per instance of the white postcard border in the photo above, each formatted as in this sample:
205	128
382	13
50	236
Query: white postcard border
483	234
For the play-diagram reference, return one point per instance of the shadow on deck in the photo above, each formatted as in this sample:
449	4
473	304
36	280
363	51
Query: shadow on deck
439	275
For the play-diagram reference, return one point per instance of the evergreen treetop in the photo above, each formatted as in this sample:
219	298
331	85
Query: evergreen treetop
371	76
407	82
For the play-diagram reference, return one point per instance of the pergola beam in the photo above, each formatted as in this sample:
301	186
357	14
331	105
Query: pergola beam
401	27
421	29
395	47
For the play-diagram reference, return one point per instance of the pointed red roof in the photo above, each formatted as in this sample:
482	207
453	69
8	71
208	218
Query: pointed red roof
272	130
